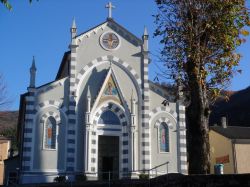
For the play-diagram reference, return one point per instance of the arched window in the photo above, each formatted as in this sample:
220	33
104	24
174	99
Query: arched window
50	133
164	137
108	117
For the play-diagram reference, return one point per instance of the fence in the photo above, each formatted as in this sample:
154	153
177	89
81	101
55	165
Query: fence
106	177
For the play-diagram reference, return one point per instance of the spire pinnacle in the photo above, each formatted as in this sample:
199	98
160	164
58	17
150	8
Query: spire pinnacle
33	74
33	66
132	95
145	39
110	64
73	29
145	31
88	92
73	24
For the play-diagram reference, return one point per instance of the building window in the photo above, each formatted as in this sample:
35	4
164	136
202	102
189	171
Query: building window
50	133
110	118
164	137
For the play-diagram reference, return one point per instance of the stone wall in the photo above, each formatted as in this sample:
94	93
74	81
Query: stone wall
170	180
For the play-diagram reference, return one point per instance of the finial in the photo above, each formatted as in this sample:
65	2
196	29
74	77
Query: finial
145	31
32	74
74	24
145	39
132	95
110	6
33	66
110	64
73	29
88	92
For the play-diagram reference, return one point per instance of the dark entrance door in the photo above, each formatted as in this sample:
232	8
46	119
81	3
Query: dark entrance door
108	157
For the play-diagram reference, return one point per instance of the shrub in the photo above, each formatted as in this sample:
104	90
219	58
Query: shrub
60	179
143	176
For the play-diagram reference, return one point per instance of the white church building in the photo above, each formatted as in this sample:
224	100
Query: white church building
101	113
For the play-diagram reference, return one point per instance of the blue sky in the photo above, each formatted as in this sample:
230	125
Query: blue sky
42	29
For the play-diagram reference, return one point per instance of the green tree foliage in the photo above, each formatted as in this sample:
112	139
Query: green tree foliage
200	39
11	133
8	5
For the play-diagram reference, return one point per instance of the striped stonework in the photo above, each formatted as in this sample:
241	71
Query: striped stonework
104	59
181	129
161	109
48	103
163	120
51	86
145	128
121	131
71	127
182	139
28	138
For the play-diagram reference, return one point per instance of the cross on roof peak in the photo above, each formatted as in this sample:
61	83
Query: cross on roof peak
110	6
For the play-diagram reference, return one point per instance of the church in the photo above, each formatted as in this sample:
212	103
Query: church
101	114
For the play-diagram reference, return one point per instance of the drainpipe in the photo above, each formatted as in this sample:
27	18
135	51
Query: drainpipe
234	157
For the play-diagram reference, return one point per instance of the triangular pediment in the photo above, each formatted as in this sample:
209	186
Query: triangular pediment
109	91
120	30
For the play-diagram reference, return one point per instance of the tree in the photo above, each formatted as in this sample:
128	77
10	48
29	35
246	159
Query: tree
11	132
200	38
8	5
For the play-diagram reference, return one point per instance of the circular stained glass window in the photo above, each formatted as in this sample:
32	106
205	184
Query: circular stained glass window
110	41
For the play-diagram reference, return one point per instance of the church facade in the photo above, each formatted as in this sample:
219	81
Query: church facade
101	114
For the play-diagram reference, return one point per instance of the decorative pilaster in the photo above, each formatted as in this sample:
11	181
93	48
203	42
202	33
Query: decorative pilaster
71	130
87	134
145	136
134	166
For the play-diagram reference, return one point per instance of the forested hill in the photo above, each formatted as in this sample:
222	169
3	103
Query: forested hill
236	109
8	120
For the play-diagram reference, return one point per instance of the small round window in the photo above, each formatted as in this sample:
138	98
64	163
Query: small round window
109	41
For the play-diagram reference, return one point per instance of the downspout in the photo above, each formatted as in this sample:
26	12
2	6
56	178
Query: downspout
234	156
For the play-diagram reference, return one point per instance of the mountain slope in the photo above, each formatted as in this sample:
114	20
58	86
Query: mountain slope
8	119
237	109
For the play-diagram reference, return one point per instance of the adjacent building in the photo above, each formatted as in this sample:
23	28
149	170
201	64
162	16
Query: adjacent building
5	145
230	146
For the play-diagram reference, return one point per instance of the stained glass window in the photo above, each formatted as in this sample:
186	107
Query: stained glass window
164	137
50	133
108	117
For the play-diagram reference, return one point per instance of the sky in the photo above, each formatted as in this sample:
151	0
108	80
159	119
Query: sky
42	29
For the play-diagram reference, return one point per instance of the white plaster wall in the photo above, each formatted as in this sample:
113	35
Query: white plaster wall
49	160
171	156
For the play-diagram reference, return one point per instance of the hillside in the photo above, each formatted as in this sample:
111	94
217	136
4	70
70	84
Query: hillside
237	109
8	119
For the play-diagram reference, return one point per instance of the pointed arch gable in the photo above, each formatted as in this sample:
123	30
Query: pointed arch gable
110	90
120	63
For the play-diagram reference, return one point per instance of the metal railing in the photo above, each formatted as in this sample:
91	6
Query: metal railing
110	176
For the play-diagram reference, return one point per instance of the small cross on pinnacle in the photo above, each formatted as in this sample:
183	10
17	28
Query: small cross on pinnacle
110	64
110	6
